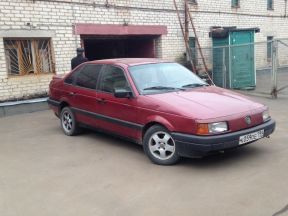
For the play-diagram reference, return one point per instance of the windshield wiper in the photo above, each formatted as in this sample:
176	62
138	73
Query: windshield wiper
162	88
193	85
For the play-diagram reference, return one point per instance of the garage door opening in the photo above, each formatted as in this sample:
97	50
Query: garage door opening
97	48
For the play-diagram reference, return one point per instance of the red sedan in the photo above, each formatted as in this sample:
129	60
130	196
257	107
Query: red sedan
159	104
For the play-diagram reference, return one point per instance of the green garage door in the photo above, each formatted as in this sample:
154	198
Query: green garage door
242	60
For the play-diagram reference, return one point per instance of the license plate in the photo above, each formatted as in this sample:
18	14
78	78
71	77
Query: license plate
251	137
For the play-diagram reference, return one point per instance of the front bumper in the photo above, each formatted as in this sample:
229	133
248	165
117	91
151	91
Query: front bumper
195	146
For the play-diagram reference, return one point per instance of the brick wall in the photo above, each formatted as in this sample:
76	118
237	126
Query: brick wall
57	17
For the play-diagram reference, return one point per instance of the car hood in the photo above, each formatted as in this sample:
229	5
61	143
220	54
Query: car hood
203	103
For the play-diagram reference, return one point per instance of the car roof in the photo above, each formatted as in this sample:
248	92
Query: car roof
130	61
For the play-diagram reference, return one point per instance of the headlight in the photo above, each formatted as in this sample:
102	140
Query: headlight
218	127
212	128
265	115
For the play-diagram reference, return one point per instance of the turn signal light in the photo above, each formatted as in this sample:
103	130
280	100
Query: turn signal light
203	129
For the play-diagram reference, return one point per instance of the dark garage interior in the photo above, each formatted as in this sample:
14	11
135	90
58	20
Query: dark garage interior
119	47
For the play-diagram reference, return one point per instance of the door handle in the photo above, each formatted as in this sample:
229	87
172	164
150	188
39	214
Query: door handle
101	100
71	93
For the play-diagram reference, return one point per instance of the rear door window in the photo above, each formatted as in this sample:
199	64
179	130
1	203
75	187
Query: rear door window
71	78
88	76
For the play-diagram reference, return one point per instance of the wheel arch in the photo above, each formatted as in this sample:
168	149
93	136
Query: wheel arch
62	105
157	120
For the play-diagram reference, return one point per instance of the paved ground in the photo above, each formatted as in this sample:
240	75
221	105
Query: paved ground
43	172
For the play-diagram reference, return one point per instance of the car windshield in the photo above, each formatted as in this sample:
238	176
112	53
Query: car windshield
163	77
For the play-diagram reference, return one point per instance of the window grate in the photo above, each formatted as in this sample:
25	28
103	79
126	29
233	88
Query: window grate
28	56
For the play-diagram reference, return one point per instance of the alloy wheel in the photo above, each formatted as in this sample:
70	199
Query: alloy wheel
162	145
67	121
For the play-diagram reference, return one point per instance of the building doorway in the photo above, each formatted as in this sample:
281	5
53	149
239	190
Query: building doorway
106	47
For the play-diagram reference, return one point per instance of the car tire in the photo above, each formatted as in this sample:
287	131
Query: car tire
68	121
159	146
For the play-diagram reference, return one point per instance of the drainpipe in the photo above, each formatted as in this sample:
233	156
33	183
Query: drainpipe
186	37
285	15
74	22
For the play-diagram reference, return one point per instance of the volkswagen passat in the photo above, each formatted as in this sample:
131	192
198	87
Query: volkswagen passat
158	104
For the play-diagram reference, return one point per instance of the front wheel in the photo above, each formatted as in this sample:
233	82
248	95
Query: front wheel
159	146
68	122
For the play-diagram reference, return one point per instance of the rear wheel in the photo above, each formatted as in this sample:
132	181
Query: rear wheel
68	122
159	146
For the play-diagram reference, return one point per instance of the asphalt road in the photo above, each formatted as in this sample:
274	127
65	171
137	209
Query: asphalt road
43	172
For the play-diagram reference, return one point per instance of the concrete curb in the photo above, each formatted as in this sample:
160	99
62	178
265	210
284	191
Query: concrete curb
25	106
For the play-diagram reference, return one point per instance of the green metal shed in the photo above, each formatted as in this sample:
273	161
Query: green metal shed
234	57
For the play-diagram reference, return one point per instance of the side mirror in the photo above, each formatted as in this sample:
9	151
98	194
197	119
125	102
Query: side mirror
122	93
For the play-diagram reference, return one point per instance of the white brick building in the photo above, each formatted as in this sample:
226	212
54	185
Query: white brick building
39	37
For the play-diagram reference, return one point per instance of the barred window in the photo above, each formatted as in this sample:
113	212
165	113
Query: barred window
270	4
193	1
269	47
28	56
235	3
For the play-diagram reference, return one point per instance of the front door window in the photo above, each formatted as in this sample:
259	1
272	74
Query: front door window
111	78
